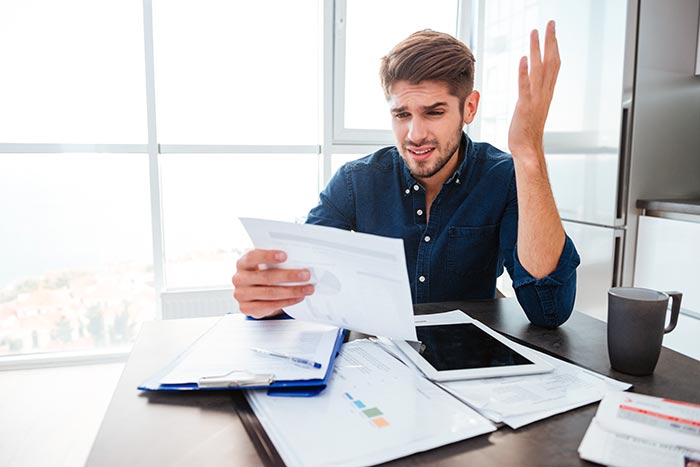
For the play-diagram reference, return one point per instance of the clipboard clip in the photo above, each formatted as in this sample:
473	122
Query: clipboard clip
236	379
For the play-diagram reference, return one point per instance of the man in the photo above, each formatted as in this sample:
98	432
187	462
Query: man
463	209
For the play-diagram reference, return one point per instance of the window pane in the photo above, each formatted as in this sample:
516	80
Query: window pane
590	37
373	27
237	72
203	196
72	71
75	243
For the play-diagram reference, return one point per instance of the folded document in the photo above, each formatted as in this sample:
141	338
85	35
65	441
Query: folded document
636	430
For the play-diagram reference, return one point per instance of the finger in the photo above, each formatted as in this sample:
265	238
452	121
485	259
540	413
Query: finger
271	293
552	61
523	80
270	277
254	258
266	309
535	58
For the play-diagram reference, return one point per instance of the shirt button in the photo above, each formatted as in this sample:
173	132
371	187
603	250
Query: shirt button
407	191
427	238
416	187
421	278
457	181
419	212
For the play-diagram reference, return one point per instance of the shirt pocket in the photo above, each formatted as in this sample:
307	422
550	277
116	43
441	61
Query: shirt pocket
472	249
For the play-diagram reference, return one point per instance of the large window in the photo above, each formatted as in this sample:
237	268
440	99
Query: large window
134	133
75	238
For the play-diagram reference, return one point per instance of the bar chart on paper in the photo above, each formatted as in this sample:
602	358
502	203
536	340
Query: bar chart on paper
383	409
373	414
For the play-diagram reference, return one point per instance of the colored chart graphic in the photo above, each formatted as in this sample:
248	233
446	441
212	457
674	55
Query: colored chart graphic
373	414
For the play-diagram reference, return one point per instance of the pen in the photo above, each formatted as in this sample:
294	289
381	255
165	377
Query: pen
299	360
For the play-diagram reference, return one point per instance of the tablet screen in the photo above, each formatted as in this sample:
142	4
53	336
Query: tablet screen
464	346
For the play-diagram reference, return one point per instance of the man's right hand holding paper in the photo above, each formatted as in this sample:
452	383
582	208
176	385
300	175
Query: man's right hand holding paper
260	290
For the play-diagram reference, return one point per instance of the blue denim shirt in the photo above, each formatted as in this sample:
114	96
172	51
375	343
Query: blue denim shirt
471	233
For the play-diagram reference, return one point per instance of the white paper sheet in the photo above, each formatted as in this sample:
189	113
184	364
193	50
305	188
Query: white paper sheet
633	430
361	280
374	410
568	385
225	347
517	421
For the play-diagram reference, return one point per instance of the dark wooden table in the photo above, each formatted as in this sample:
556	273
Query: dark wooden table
219	429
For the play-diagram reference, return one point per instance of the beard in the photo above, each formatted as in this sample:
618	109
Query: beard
442	154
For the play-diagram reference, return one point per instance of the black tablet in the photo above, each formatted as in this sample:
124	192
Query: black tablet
469	350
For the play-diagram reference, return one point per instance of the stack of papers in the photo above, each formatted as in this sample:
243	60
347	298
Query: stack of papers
374	410
520	400
636	430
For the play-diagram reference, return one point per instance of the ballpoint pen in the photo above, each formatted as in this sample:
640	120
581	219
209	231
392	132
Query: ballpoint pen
291	358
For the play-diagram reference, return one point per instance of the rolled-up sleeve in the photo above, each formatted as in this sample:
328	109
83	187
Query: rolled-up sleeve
548	301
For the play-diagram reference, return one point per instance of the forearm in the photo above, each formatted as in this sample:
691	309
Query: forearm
540	233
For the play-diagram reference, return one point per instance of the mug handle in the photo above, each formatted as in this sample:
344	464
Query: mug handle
675	309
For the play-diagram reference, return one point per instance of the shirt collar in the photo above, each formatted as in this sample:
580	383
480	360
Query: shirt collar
466	148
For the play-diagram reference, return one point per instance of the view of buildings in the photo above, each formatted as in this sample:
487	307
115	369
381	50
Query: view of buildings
76	309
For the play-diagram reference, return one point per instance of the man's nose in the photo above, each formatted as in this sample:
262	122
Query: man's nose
417	131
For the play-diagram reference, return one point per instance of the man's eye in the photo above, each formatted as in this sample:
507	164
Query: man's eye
436	112
401	115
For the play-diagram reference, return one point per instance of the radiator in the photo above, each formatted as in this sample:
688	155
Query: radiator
178	304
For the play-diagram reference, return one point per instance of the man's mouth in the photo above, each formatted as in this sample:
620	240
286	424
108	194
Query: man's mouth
421	153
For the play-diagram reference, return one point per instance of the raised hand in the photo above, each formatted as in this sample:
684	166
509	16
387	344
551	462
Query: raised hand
535	91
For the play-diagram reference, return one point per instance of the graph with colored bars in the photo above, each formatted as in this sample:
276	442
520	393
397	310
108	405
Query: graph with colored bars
373	414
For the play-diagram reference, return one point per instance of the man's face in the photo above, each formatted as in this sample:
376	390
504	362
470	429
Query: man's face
427	122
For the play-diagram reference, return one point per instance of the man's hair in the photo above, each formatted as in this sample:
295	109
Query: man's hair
430	56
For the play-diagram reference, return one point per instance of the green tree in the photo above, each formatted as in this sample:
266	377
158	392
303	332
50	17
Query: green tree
121	324
16	344
96	324
62	331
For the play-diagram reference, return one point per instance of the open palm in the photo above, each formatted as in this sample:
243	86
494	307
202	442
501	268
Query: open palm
535	91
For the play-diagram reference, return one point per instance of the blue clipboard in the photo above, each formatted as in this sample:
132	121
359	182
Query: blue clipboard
243	380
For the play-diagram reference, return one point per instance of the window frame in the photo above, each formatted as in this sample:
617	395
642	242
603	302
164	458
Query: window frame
334	139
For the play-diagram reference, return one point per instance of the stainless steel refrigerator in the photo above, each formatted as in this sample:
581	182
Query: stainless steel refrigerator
624	125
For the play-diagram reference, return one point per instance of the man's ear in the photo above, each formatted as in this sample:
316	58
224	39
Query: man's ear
471	105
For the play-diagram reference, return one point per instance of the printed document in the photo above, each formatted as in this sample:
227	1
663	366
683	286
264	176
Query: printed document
638	430
361	280
374	410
